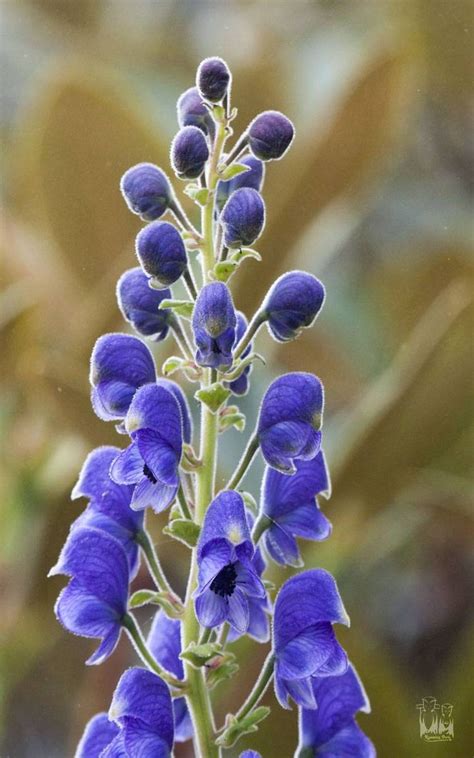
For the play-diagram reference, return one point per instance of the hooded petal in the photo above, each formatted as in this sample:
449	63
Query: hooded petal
94	518
140	742
94	481
306	653
127	468
296	396
120	364
178	393
304	600
282	494
140	304
155	407
212	557
283	443
144	696
99	733
282	546
225	519
99	563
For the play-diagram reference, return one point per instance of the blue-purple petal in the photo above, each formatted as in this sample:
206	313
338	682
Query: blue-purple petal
98	734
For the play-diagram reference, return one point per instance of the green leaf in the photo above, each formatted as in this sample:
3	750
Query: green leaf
200	195
218	112
226	668
183	308
245	252
234	729
163	599
200	655
183	530
213	396
233	170
232	419
172	364
223	271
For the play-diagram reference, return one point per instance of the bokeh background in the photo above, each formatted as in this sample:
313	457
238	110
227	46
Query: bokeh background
375	198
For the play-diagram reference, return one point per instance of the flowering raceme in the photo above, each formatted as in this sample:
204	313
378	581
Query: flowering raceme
181	292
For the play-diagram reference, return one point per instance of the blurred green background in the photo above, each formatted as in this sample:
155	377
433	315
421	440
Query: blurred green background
375	197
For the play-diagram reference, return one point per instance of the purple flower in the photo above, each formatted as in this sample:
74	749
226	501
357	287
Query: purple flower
164	643
109	507
95	600
142	708
330	729
252	178
120	364
189	152
250	754
193	112
290	419
146	190
140	304
240	386
304	642
259	606
98	734
161	253
214	323
292	304
243	218
226	577
154	422
290	504
270	135
213	79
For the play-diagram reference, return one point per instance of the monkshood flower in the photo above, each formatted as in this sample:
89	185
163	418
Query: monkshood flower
147	191
226	577
240	386
252	178
213	79
290	420
161	253
109	506
214	322
189	153
186	419
120	364
98	735
250	754
193	112
154	422
259	607
142	708
164	643
140	304
243	218
330	729
304	642
289	503
270	135
292	303
95	600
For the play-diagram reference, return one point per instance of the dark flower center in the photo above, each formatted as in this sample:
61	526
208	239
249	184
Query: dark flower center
149	474
224	583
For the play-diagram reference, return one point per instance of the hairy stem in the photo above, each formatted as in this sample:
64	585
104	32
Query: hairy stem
255	324
184	504
154	567
259	687
245	461
129	623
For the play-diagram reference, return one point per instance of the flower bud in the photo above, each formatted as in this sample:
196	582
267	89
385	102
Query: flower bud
252	178
140	304
193	112
243	218
213	78
147	190
161	253
292	303
269	135
214	323
189	153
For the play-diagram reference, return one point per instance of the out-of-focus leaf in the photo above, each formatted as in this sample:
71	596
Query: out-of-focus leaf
356	144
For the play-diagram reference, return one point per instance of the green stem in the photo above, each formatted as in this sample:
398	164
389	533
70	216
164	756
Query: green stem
180	215
189	284
154	566
184	504
245	461
206	635
258	319
129	623
181	338
259	687
197	696
261	525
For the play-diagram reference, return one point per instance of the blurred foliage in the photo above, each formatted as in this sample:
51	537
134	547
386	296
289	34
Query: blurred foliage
374	197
